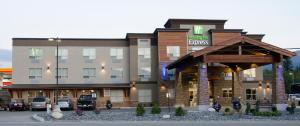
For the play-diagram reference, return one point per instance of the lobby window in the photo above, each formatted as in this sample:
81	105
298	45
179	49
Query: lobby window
227	92
227	75
106	92
35	73
116	96
144	73
173	52
89	53
172	74
249	74
89	73
116	54
116	73
251	94
62	72
62	54
145	95
172	93
35	53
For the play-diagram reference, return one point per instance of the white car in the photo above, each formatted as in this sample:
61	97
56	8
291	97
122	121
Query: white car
296	98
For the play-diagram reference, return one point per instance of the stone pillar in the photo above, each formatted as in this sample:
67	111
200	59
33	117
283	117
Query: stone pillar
181	91
238	90
202	90
279	98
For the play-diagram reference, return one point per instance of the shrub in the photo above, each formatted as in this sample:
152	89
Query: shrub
252	111
274	109
227	111
248	107
267	113
179	111
155	109
257	106
140	111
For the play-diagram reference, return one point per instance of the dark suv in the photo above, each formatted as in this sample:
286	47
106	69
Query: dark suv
86	102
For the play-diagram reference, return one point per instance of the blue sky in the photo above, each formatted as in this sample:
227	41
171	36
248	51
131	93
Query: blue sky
278	19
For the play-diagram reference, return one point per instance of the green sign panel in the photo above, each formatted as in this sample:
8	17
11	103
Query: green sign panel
198	30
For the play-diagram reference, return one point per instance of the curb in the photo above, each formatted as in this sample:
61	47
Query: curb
38	118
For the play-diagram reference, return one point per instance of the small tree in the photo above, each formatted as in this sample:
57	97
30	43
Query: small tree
155	109
248	107
291	109
140	111
257	106
179	111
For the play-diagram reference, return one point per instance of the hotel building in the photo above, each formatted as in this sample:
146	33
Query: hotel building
193	60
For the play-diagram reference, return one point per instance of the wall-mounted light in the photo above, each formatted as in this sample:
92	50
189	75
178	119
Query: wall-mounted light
203	66
48	68
253	65
102	67
260	84
162	87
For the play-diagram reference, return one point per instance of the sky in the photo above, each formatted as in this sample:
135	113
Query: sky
278	19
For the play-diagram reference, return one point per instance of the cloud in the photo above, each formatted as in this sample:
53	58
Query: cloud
5	58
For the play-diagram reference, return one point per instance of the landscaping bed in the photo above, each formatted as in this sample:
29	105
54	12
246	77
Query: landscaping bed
110	115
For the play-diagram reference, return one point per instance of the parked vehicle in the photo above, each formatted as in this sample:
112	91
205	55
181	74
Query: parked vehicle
65	103
86	102
295	98
39	103
4	99
17	105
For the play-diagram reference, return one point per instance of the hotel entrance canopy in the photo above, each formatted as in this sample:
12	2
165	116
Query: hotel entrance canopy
240	51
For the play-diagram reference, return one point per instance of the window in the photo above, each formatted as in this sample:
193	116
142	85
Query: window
89	53
35	53
173	52
249	74
116	73
227	76
116	96
171	74
144	73
62	54
144	53
106	92
62	72
35	73
89	73
251	94
116	53
145	95
227	92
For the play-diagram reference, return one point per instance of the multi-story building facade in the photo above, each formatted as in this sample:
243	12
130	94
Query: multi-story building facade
143	67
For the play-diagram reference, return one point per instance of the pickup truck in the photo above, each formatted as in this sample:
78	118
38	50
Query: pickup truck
86	102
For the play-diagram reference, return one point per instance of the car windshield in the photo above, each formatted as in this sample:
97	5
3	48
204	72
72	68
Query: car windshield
38	100
85	97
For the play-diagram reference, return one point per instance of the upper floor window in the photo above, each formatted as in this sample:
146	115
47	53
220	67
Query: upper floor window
173	52
35	53
89	53
62	72
144	73
116	73
249	74
35	73
116	54
89	73
62	54
144	53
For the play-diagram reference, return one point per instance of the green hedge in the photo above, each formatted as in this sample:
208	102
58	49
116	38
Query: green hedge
275	113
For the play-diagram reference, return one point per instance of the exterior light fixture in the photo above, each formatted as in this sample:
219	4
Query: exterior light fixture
268	86
203	66
133	85
260	84
48	67
163	87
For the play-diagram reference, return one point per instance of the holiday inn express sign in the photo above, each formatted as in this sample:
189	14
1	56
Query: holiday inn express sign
198	38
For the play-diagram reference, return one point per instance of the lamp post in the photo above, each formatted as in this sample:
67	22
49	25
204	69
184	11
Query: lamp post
57	40
168	96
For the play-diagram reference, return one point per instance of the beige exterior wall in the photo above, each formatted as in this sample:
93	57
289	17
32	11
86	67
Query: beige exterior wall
75	64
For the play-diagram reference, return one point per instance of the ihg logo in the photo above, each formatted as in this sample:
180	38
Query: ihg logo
198	30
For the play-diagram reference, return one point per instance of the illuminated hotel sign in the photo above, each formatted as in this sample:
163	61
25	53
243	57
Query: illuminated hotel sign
198	39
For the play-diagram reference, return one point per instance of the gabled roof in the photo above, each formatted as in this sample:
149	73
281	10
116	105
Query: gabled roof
243	39
228	43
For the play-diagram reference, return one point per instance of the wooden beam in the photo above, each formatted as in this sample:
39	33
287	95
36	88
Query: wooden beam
238	59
